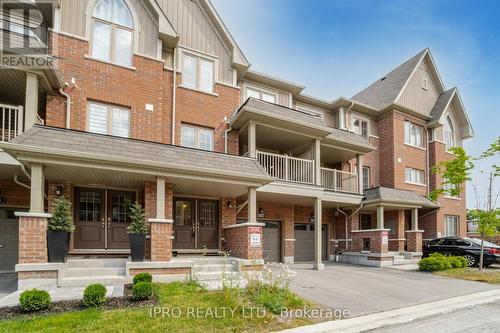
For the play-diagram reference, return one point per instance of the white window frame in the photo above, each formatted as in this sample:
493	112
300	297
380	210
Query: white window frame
109	115
412	179
261	93
455	219
198	59
447	187
197	142
361	121
410	134
310	111
449	135
366	185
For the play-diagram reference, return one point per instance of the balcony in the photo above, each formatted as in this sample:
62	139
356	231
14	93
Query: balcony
11	122
301	170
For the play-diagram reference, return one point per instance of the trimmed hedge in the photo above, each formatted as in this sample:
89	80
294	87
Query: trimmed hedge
143	277
34	300
439	262
94	295
142	291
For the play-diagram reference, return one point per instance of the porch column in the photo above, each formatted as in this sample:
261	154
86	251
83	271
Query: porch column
414	236
380	217
252	205
37	191
161	225
414	219
359	167
160	198
252	146
317	162
318	263
31	100
341	118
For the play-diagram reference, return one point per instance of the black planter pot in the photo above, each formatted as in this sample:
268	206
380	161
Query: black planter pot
58	244
136	242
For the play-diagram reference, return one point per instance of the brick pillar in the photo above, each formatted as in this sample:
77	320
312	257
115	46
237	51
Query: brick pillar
414	240
379	240
397	241
239	240
33	238
161	241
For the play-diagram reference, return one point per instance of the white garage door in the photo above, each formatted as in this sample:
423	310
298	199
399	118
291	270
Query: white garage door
304	242
272	242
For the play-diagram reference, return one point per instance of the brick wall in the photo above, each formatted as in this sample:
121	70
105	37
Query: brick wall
376	243
238	243
16	195
37	275
385	127
371	160
32	240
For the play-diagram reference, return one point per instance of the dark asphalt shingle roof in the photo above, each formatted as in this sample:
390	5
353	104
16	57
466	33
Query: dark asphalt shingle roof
347	136
386	194
441	103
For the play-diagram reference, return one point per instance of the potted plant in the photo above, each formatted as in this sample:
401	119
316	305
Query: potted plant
59	229
137	231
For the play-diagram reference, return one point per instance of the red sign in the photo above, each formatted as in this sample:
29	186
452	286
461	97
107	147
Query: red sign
255	230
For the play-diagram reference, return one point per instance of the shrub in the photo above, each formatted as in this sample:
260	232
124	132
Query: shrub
143	277
94	295
271	300
34	300
137	220
61	219
457	262
439	262
142	291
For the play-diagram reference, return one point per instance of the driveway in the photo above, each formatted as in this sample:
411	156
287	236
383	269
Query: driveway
363	290
8	284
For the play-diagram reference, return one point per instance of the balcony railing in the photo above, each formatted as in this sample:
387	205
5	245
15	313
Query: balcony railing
291	169
11	121
338	180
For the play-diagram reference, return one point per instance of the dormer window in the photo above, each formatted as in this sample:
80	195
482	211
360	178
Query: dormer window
449	133
112	28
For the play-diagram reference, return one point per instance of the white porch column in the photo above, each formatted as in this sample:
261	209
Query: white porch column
252	146
380	217
31	101
359	167
414	219
341	118
37	189
252	205
318	262
160	198
317	162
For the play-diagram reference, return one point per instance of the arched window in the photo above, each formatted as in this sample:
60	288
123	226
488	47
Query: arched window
449	134
112	31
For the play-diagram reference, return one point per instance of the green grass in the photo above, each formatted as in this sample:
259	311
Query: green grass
177	294
489	275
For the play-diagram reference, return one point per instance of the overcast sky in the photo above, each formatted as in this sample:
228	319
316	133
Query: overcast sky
338	47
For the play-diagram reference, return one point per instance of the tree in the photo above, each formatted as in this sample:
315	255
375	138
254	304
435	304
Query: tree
61	219
488	223
137	219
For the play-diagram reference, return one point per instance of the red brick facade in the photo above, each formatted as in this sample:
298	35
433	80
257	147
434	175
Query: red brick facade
32	240
377	238
238	242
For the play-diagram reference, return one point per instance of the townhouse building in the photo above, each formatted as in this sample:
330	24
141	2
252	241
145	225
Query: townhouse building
153	100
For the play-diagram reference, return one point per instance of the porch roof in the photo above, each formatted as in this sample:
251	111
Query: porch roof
45	142
386	195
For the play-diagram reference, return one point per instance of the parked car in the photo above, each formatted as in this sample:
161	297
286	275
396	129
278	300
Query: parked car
469	248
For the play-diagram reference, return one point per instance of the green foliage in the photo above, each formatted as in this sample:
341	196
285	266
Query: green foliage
439	262
454	172
492	151
142	291
94	295
34	300
61	219
267	296
137	219
143	277
488	222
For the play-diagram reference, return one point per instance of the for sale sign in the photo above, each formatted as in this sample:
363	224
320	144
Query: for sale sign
255	240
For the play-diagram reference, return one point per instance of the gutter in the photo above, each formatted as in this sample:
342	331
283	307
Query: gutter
68	106
226	133
348	217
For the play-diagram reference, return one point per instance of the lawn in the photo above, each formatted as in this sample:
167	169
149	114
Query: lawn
489	275
190	309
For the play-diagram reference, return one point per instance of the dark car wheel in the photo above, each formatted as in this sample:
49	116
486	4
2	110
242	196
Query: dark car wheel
471	260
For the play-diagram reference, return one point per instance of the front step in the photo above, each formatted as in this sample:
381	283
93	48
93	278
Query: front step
89	263
82	272
213	268
95	271
405	262
85	281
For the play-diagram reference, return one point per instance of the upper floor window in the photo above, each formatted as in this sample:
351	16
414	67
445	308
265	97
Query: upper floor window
108	119
366	177
451	225
197	73
449	134
260	94
360	126
452	190
414	176
197	137
414	134
112	28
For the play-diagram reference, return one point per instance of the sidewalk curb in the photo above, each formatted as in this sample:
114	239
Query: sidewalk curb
399	316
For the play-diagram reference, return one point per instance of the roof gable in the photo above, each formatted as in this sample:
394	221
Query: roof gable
447	101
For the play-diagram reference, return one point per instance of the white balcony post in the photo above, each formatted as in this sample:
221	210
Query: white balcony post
252	205
414	219
31	102
380	217
252	146
359	167
317	162
37	190
335	179
318	253
160	198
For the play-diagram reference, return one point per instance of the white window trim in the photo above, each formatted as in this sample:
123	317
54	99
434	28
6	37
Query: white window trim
306	109
404	135
369	177
198	56
414	183
197	136
260	90
363	119
457	221
109	125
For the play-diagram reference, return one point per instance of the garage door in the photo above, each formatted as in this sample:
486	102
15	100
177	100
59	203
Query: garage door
8	240
304	242
271	242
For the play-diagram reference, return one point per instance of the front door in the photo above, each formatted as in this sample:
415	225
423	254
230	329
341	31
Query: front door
196	223
101	218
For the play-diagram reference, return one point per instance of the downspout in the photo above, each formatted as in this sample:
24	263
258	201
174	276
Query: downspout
173	94
20	184
427	161
226	133
23	184
68	106
348	217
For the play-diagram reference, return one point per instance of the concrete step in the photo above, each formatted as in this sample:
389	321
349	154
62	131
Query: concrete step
213	268
217	285
214	276
405	262
94	262
85	281
94	271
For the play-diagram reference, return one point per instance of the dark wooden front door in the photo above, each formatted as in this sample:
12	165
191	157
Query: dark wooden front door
196	223
101	218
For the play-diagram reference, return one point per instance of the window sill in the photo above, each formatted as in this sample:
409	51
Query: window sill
417	184
200	91
110	63
452	198
449	152
417	147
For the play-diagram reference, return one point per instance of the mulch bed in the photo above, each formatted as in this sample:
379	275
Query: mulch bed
112	303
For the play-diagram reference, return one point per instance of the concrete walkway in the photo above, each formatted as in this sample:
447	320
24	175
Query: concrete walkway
365	290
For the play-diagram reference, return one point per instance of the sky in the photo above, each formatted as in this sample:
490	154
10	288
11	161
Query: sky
338	47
